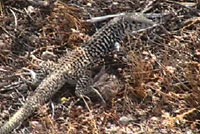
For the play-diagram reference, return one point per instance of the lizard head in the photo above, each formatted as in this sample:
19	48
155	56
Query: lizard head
134	22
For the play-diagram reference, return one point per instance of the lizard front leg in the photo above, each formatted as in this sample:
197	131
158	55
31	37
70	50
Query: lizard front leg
84	85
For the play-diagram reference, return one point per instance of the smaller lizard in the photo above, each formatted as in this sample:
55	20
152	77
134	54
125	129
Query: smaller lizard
74	68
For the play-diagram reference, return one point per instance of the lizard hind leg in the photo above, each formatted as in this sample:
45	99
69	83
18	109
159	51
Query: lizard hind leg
84	86
37	75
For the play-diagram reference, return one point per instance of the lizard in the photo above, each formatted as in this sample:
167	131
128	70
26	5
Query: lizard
74	67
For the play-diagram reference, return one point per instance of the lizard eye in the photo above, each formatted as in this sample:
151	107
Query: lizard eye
133	22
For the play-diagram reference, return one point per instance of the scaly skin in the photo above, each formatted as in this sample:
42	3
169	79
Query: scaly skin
71	66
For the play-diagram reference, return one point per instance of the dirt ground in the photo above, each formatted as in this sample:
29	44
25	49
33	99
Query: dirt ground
151	86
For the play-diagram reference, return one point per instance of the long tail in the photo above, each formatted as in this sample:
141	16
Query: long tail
45	91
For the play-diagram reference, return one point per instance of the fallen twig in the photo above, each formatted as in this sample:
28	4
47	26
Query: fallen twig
102	18
39	3
15	17
193	10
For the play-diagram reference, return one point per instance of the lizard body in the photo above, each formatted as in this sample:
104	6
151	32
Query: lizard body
74	68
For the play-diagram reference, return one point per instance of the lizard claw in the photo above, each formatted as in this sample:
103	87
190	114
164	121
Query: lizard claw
99	94
32	81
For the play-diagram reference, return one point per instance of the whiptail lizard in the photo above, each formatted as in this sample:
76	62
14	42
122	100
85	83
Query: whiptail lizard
74	68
